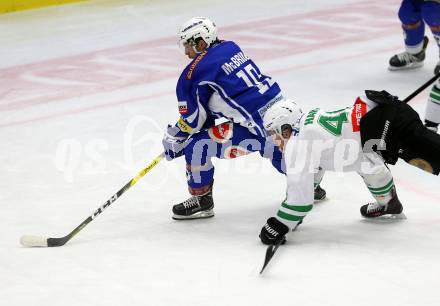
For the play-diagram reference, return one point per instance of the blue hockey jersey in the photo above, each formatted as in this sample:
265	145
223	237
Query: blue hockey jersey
222	82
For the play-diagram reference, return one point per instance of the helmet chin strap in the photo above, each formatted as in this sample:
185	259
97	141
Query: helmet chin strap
195	49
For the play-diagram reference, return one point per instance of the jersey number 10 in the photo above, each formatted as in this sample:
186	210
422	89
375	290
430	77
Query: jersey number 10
251	77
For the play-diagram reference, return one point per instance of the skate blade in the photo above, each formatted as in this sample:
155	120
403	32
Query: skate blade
198	215
388	218
315	201
411	66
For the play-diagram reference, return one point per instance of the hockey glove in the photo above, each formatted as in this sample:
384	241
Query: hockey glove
273	232
173	142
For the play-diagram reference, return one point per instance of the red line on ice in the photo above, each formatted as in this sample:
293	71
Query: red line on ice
156	60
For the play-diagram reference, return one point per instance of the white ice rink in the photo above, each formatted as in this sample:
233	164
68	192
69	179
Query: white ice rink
85	93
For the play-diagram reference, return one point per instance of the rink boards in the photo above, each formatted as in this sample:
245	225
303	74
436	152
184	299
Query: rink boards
7	6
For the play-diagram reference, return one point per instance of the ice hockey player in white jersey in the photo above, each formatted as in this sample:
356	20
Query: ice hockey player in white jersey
359	138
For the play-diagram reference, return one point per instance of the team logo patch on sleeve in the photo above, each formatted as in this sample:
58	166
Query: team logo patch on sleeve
221	133
235	151
359	110
183	107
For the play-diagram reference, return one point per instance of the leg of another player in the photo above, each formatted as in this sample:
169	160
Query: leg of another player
224	141
414	30
431	16
200	178
432	113
320	193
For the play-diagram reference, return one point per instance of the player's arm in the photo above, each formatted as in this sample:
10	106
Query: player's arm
193	95
192	117
300	195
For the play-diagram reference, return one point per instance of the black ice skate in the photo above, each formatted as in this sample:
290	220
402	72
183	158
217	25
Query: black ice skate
392	210
407	60
437	68
196	207
431	126
320	194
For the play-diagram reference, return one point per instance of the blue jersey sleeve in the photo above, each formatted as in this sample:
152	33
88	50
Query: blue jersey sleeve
193	96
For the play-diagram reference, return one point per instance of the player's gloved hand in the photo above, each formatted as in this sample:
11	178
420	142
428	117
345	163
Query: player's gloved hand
173	143
274	231
381	97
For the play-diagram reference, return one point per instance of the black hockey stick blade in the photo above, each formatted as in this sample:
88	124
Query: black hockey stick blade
271	249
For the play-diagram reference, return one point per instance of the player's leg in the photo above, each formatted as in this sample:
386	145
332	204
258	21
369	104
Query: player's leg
378	179
432	112
413	26
320	193
200	178
431	16
225	141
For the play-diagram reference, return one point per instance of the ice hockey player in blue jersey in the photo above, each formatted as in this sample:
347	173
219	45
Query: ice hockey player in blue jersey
221	82
414	14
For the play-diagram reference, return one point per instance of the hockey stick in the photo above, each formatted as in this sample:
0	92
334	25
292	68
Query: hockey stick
271	249
38	241
421	88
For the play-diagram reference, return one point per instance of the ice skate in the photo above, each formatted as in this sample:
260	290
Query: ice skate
437	68
431	126
407	60
320	194
392	210
196	207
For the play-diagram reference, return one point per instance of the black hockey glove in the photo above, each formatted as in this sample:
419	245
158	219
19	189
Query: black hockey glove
273	231
381	97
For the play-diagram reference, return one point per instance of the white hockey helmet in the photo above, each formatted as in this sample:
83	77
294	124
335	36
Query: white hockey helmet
281	116
197	27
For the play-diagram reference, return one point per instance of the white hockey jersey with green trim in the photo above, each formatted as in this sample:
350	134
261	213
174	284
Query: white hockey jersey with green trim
328	140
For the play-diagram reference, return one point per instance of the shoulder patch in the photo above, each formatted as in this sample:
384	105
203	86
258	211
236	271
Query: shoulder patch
194	64
183	107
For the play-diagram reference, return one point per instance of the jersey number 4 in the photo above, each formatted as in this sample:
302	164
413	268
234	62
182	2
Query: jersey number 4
332	121
251	77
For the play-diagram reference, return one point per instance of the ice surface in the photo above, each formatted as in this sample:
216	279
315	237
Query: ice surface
86	90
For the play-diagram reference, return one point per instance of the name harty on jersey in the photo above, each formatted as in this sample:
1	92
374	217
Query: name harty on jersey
235	61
